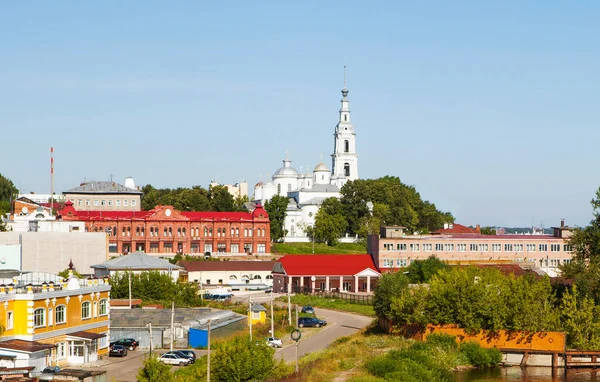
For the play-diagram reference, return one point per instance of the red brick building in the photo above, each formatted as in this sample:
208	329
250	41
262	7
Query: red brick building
164	230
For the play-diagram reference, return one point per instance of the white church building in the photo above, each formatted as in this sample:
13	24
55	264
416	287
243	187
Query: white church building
307	191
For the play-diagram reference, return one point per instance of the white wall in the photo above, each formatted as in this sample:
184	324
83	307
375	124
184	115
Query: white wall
52	251
215	276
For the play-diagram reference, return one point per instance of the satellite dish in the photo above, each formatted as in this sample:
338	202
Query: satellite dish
24	210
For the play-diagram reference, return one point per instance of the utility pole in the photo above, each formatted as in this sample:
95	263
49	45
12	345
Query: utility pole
129	273
289	310
208	357
250	316
272	317
172	319
150	328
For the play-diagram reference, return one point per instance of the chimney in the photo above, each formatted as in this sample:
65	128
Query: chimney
445	225
478	228
562	222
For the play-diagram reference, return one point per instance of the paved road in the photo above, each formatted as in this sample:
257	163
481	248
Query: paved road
339	324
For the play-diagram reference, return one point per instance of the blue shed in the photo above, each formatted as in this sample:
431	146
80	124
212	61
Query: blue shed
198	338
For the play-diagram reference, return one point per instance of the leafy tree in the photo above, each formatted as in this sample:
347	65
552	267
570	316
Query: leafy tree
394	203
409	307
389	286
154	287
8	192
330	223
154	371
220	199
584	268
579	317
488	231
242	360
420	271
240	203
276	208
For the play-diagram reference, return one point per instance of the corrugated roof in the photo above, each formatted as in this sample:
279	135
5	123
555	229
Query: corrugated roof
137	261
207	266
102	187
326	265
25	346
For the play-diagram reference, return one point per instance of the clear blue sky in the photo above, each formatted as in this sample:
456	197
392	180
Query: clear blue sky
490	109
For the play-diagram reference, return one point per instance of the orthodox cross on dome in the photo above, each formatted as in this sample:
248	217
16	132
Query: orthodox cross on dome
287	155
345	90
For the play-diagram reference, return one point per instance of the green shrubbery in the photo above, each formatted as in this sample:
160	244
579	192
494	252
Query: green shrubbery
430	361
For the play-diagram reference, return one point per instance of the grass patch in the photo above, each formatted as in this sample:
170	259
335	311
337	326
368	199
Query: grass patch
332	303
365	357
323	249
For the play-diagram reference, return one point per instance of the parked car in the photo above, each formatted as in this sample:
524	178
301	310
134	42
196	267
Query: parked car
182	354
117	351
311	322
274	342
308	309
174	359
48	373
190	353
129	343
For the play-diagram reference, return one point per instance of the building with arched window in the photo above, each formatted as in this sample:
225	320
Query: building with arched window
171	231
305	190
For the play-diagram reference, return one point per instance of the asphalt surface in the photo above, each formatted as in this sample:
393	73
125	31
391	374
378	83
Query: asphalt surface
339	324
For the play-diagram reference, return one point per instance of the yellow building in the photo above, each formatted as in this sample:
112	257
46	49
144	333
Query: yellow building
257	314
50	321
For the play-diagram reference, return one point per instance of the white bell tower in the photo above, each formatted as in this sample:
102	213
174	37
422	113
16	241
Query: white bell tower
344	157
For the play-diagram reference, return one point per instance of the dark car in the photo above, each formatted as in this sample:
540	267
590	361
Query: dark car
311	322
48	373
184	354
117	351
190	353
129	343
308	309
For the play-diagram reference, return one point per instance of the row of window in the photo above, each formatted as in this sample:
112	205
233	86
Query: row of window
233	279
47	317
195	248
109	202
403	263
181	231
401	247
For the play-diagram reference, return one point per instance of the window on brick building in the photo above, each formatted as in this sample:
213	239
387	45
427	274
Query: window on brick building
237	232
183	231
210	232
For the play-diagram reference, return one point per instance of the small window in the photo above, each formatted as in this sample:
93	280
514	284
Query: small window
9	320
86	310
125	203
61	316
346	146
133	202
39	318
95	203
102	202
110	202
118	202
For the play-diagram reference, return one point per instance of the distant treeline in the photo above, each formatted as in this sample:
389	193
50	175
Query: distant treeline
216	198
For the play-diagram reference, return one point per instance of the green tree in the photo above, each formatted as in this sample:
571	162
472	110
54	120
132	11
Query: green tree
488	231
154	287
420	271
276	208
389	286
584	268
8	192
242	360
154	371
220	199
330	223
240	203
579	318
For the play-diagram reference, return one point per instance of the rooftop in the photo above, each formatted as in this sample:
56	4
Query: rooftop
102	187
25	346
324	265
207	266
136	261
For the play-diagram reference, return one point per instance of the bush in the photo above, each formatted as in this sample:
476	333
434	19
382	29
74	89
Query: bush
154	371
444	341
381	366
480	357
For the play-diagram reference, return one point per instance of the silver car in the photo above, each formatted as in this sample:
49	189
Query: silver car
174	359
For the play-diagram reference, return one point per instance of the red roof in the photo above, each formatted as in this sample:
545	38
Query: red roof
211	215
326	265
208	266
456	229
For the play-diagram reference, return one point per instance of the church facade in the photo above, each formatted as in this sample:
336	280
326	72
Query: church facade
306	191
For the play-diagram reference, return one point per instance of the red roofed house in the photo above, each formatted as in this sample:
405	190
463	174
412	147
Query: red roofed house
457	229
344	273
167	231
